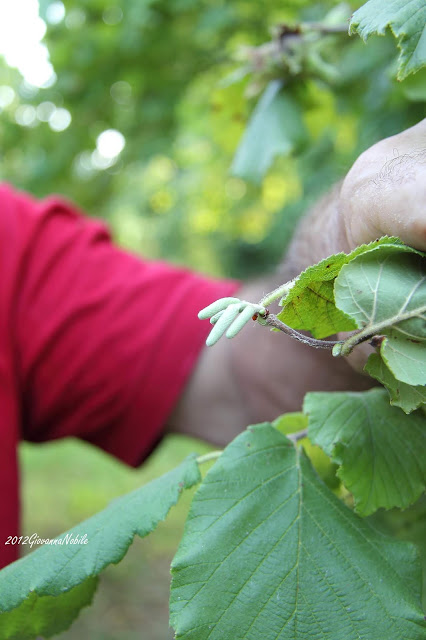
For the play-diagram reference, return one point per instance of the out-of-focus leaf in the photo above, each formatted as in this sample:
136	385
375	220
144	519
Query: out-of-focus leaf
275	128
291	422
43	592
414	87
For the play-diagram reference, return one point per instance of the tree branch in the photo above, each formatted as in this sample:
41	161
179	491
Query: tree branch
274	322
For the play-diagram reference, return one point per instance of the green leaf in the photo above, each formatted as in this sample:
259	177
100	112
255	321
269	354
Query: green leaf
43	592
310	305
382	451
291	422
402	395
406	524
48	615
269	552
275	128
385	293
407	21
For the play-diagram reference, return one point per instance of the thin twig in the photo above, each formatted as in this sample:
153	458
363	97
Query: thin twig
273	321
322	28
299	435
213	455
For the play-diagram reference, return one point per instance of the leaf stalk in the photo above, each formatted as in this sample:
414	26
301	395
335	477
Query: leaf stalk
207	457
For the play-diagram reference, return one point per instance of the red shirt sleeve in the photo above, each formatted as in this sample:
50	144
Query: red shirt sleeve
104	340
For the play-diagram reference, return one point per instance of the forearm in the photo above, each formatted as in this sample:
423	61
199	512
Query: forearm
319	234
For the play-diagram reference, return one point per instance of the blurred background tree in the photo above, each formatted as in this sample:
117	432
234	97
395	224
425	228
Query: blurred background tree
145	116
150	105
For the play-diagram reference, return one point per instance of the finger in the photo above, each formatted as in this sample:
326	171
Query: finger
385	191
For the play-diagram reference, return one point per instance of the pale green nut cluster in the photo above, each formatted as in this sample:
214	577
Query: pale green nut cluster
228	316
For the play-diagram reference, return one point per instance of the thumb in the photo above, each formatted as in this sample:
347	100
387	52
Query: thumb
385	191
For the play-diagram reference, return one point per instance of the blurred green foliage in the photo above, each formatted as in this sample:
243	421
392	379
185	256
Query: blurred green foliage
179	81
132	599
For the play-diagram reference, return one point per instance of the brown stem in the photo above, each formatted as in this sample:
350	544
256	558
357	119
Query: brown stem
273	321
322	28
299	435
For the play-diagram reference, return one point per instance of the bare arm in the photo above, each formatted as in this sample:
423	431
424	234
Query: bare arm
261	374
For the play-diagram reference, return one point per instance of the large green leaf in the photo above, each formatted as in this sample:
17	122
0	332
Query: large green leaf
310	305
384	291
401	394
276	127
43	592
407	21
269	552
382	451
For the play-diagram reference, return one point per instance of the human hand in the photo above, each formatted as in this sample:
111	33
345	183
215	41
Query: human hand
384	193
260	374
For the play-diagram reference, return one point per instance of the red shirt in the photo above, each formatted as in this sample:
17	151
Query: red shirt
94	342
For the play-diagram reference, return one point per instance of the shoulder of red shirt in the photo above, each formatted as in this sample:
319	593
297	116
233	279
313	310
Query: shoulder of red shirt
95	342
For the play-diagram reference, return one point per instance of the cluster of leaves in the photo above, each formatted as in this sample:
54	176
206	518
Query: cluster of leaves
380	289
154	71
269	549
